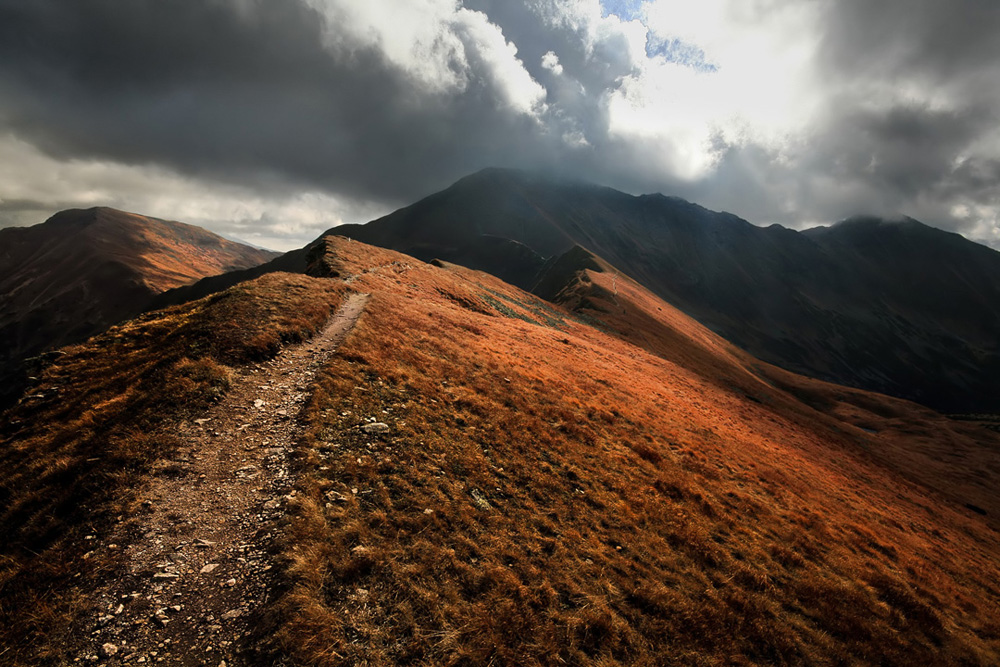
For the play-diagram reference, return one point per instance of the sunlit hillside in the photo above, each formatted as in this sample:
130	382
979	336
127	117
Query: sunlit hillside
551	492
599	482
83	270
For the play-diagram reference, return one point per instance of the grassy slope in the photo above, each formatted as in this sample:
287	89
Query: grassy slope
551	493
73	452
650	497
958	459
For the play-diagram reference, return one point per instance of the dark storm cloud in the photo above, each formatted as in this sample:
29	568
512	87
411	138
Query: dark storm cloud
904	150
904	160
918	95
592	68
229	90
935	40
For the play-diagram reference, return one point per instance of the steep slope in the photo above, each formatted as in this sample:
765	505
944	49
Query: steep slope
955	458
482	476
902	309
942	301
83	270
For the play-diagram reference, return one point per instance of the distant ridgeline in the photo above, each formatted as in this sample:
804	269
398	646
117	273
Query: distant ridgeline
891	306
83	270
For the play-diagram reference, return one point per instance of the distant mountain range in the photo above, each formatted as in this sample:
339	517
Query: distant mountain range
83	270
891	306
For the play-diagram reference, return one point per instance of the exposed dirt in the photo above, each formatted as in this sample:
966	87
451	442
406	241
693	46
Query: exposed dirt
198	572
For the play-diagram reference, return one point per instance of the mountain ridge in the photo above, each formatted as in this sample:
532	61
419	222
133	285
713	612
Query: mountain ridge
84	269
802	300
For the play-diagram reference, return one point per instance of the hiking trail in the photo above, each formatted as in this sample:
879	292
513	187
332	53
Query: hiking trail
199	573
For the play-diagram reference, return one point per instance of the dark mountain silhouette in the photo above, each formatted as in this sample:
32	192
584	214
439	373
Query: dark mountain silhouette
84	270
895	307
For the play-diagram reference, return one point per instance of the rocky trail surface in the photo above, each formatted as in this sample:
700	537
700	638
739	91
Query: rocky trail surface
198	571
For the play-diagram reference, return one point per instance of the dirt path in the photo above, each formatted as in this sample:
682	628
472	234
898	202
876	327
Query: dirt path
199	571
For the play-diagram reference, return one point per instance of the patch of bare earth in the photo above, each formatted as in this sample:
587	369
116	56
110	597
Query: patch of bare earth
198	570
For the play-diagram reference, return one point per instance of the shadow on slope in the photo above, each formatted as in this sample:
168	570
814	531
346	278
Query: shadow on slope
958	458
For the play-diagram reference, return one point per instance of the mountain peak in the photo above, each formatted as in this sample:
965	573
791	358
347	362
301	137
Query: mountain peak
76	217
509	175
775	292
873	229
871	223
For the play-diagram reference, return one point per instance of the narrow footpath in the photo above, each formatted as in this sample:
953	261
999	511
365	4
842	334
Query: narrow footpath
199	573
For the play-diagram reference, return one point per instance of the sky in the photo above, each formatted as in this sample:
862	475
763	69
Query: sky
273	120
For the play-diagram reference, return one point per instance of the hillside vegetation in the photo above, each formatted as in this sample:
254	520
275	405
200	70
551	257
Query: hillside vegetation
553	493
76	450
601	482
82	271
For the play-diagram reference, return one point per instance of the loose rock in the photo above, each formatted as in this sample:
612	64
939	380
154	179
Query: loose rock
479	501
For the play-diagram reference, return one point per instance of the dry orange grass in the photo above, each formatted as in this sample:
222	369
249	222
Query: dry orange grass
74	450
172	253
551	493
957	458
634	492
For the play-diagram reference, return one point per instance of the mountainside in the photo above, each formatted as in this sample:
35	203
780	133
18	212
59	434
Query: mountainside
471	475
293	261
895	307
83	270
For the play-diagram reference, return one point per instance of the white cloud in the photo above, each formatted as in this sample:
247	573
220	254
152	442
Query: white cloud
440	44
550	61
484	41
601	35
411	34
755	83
